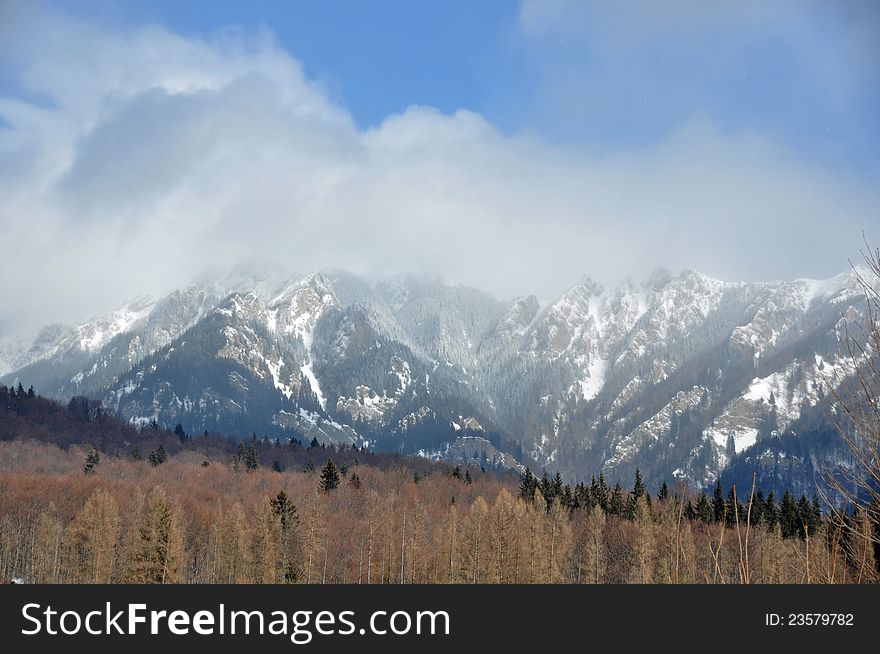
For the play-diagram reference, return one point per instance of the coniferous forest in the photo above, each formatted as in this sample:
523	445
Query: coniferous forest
87	498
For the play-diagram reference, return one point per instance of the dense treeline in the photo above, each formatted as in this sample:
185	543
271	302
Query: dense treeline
26	415
182	521
158	506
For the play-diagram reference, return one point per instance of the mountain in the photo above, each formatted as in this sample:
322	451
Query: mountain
682	376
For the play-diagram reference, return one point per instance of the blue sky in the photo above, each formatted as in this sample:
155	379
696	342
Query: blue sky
512	145
377	58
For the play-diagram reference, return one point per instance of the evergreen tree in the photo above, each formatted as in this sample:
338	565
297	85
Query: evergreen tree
704	510
557	484
136	454
329	477
637	493
92	459
355	481
159	552
771	512
638	485
817	512
758	507
178	431
546	487
456	472
718	504
284	510
238	459
566	497
158	456
314	442
788	518
615	505
808	519
251	462
527	485
663	493
467	477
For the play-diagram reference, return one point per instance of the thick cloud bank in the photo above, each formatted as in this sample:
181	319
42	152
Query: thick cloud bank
131	160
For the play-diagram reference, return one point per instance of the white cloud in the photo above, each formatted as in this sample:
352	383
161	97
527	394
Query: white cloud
142	157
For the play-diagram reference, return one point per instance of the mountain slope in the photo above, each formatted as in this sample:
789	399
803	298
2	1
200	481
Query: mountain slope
677	375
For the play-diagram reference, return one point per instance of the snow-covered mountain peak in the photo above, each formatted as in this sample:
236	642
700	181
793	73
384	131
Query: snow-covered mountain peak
657	279
519	315
589	286
93	335
839	288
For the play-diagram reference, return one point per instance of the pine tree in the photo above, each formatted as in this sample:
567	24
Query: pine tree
718	504
179	432
788	518
638	491
704	509
284	510
355	481
159	548
546	487
158	456
557	484
527	485
329	477
92	459
758	507
663	493
615	505
771	512
638	485
467	477
599	492
251	462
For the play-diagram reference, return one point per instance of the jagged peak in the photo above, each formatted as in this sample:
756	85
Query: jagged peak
588	284
317	282
658	279
521	312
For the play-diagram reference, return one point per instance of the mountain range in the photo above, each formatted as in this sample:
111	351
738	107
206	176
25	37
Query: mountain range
683	376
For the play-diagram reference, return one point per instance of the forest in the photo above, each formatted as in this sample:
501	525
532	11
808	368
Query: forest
87	498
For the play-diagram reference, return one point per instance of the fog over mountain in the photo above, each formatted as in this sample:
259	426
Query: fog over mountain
151	156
